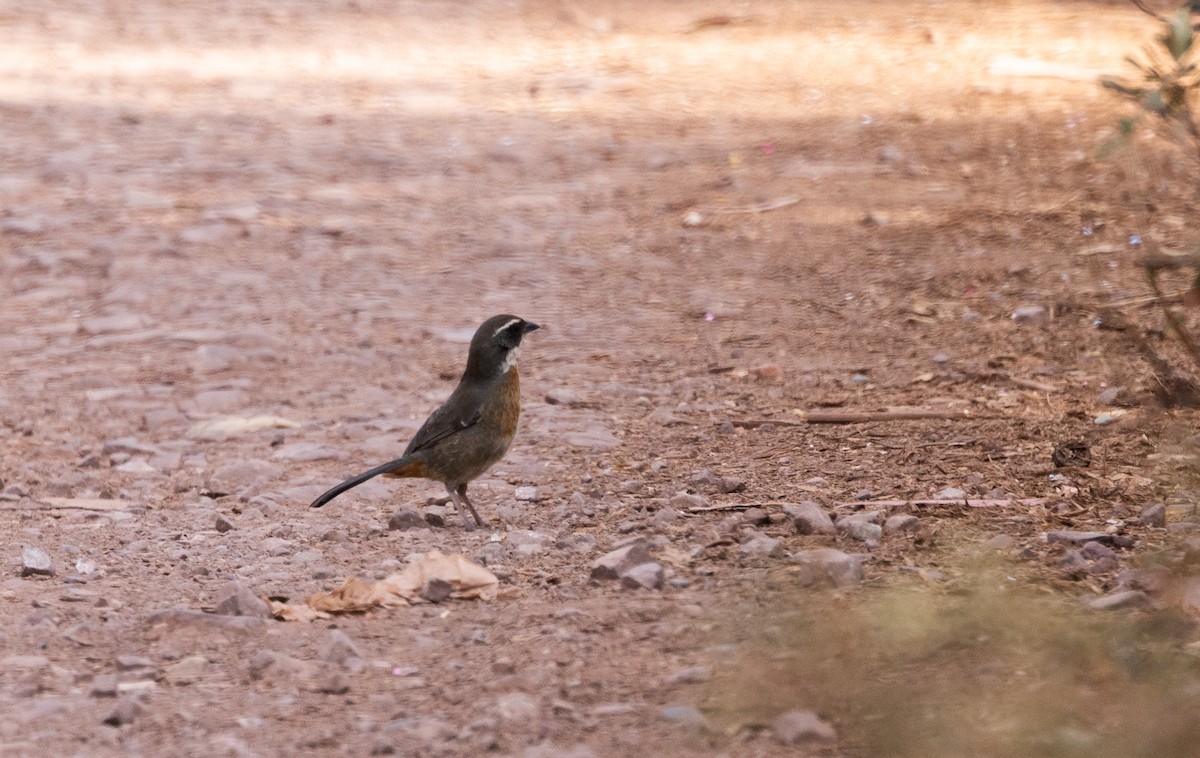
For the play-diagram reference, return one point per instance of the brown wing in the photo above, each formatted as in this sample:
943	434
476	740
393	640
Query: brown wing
462	411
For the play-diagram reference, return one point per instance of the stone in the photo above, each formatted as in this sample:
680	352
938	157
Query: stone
684	501
1113	396
491	554
728	485
762	547
802	728
211	359
647	576
276	546
999	542
901	522
133	662
809	518
684	715
223	524
832	566
435	590
950	493
338	648
561	396
187	671
526	494
277	667
611	565
332	682
126	711
691	675
36	562
1069	537
859	529
236	599
406	518
1033	315
756	517
517	707
104	685
518	538
1094	551
1119	600
306	452
1153	515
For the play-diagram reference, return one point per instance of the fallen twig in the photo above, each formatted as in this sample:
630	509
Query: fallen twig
770	205
731	507
969	502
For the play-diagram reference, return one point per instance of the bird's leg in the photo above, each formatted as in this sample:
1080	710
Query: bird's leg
462	492
458	508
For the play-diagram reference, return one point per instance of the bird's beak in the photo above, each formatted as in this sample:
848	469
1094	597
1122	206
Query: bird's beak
529	327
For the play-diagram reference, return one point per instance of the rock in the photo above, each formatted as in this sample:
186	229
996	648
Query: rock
126	711
223	524
1119	600
901	522
332	682
280	668
762	547
691	675
561	396
1113	396
406	518
1078	538
802	728
832	566
436	589
491	554
36	562
1074	562
950	493
277	546
133	662
210	359
613	564
1154	515
338	648
999	542
237	600
526	494
186	671
647	576
755	517
1034	315
304	452
809	518
685	500
104	685
1095	551
684	715
859	529
517	707
518	538
728	485
768	371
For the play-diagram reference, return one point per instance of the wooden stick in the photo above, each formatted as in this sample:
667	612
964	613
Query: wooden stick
731	507
969	502
860	417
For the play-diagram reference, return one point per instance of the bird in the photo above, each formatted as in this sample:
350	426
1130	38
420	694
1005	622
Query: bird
473	429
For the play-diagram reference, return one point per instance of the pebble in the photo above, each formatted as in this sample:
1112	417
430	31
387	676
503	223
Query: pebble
1119	600
1095	551
133	662
236	599
526	494
304	452
756	517
339	648
126	711
491	554
406	518
223	524
1035	315
1112	396
691	675
210	359
802	728
519	538
728	485
684	500
611	565
561	396
517	707
762	547
186	671
901	522
832	566
104	685
1153	515
809	518
276	546
950	493
647	576
36	562
1078	538
684	715
859	529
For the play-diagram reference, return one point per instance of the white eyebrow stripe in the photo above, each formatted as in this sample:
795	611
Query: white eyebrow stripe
510	323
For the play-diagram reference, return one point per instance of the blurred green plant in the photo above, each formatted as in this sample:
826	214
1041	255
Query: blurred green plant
1165	92
986	670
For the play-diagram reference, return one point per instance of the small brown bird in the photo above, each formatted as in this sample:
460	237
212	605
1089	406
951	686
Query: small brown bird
473	428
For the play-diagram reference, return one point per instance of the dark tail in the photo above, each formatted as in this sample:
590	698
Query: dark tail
355	481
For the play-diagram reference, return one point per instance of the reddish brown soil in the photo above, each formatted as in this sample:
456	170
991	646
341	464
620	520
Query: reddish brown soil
303	209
